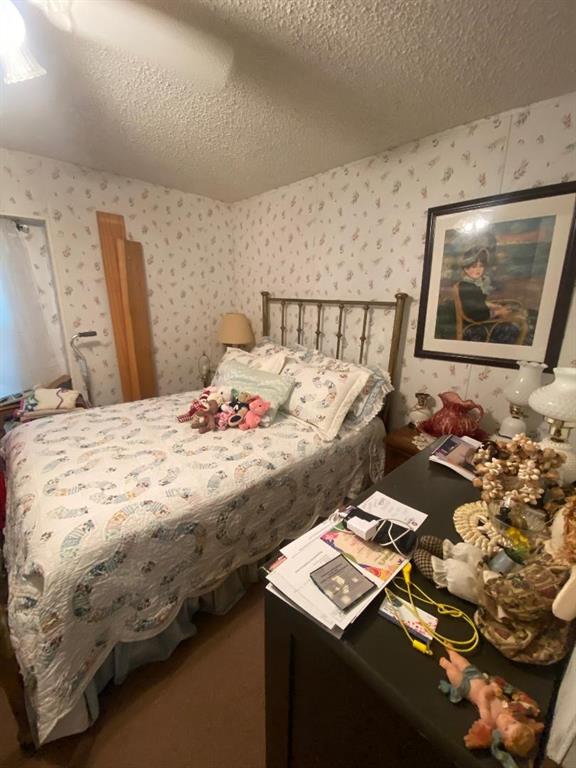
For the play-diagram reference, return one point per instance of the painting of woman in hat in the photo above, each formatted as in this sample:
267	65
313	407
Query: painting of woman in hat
488	285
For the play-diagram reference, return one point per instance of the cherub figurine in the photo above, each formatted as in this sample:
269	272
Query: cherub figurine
507	715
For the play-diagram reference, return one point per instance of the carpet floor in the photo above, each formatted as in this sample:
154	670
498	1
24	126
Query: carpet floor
202	708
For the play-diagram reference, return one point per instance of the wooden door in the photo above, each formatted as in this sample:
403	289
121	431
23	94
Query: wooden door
125	275
137	319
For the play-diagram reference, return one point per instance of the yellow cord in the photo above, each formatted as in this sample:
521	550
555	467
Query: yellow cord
443	609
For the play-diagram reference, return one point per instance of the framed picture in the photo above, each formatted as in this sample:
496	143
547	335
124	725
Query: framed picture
498	278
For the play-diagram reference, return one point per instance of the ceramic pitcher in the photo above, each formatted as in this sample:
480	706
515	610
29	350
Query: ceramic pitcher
456	417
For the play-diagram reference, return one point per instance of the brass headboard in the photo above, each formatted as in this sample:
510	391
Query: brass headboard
398	305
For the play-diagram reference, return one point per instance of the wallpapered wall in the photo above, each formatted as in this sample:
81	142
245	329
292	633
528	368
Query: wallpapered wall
358	231
188	249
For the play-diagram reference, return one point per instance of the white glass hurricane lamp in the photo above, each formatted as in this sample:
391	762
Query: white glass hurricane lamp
518	391
557	403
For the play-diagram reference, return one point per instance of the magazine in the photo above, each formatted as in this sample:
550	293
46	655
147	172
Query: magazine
456	453
379	561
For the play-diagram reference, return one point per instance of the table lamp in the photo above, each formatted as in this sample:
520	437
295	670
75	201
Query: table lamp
557	403
518	391
235	330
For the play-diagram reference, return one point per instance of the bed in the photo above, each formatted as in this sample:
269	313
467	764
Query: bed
123	522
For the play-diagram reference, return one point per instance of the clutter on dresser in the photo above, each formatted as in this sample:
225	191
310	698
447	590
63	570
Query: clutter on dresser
517	562
400	612
507	721
378	556
457	453
416	597
455	417
520	482
474	525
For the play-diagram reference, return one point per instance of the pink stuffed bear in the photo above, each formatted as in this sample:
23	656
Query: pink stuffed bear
256	409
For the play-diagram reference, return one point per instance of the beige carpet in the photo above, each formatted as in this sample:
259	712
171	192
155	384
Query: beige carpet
203	708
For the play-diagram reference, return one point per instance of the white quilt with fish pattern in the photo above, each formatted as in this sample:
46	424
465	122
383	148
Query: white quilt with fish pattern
118	514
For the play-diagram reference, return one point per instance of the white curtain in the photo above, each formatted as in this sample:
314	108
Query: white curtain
31	353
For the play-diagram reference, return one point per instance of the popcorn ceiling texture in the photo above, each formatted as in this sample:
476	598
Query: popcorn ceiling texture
315	84
355	231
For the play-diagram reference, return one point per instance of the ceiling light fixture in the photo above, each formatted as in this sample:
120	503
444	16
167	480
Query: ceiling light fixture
17	62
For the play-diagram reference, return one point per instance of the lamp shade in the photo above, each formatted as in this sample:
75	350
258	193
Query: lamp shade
527	379
557	400
235	328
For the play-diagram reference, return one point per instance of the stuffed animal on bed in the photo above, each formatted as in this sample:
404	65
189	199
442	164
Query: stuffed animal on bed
256	409
201	403
205	420
220	409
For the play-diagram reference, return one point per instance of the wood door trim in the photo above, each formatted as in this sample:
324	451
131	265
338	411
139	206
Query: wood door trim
111	228
132	361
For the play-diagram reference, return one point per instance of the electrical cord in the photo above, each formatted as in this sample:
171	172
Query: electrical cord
392	542
443	609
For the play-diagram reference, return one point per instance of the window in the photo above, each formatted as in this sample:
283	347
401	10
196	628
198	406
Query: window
31	339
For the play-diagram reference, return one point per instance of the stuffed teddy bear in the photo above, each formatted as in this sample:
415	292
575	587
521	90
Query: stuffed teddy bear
220	395
205	420
198	405
256	409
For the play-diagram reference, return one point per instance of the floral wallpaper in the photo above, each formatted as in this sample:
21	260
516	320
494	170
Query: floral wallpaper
358	231
188	249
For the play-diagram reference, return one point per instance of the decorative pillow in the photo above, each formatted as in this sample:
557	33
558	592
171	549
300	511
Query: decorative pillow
265	347
276	389
272	363
324	391
369	402
55	399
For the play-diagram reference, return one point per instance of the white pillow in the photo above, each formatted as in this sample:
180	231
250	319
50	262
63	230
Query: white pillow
272	363
324	391
265	347
55	399
370	400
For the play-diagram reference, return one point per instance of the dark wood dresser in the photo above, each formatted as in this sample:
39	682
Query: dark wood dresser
369	700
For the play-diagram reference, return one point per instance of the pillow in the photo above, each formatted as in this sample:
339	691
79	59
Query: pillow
324	390
265	347
272	363
55	399
369	402
276	389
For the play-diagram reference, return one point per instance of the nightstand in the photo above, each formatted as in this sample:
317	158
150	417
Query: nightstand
399	447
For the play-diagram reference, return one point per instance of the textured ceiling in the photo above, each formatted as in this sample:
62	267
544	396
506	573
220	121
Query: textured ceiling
314	84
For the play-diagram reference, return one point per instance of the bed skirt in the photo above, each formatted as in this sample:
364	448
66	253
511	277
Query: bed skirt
126	657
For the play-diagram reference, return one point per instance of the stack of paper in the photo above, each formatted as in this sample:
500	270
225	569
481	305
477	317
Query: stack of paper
291	581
